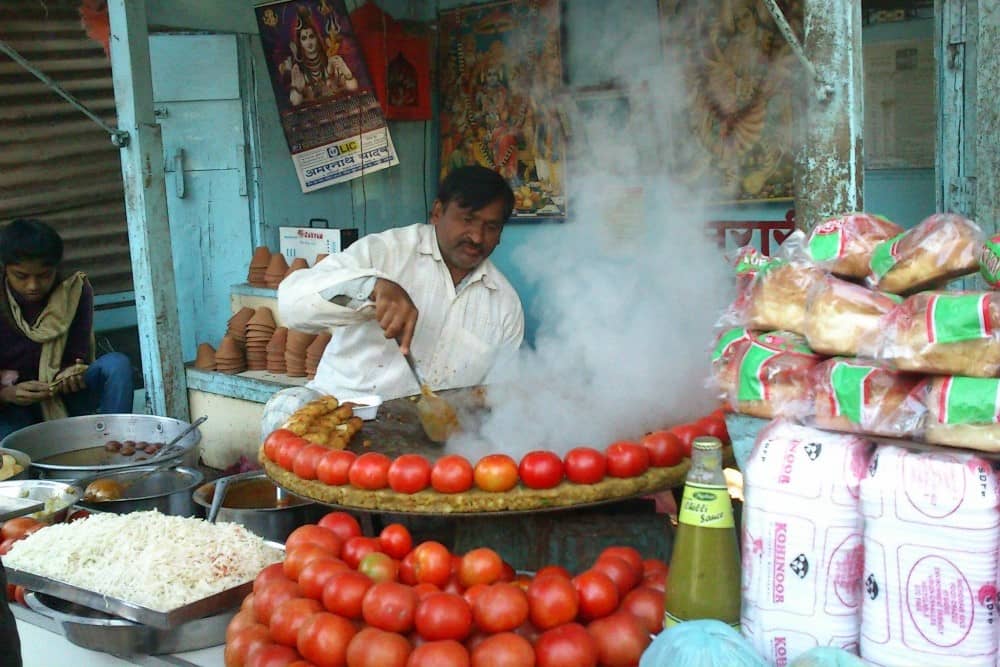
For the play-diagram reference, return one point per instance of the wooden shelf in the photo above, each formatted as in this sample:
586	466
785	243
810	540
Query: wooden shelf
255	386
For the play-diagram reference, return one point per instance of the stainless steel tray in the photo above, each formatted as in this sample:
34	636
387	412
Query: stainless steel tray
102	632
166	620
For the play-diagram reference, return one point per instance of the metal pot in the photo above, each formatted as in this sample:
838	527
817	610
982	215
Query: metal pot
73	448
252	501
167	490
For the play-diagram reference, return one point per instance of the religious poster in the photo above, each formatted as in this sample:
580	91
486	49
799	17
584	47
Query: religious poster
332	121
500	74
736	138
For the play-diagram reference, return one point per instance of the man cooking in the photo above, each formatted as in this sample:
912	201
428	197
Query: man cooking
427	288
47	366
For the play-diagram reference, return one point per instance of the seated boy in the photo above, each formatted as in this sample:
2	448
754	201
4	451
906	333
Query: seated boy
46	336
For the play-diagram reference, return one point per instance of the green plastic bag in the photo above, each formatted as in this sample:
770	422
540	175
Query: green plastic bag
700	644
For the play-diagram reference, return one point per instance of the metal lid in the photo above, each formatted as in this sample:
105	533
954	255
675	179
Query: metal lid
706	443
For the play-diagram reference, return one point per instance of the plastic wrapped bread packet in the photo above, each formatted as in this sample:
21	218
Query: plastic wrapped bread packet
942	333
962	412
842	317
943	247
989	261
932	530
776	298
802	534
860	396
730	345
844	245
768	375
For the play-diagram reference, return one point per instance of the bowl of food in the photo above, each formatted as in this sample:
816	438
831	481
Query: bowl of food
13	464
56	496
365	407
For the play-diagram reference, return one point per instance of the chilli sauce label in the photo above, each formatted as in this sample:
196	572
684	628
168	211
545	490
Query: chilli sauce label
885	256
706	506
968	400
954	318
850	392
726	340
827	242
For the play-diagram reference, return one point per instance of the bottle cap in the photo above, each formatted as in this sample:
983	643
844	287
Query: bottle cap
706	443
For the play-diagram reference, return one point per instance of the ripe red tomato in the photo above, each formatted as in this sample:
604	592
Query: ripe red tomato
443	616
619	571
313	577
646	604
540	470
312	534
715	426
274	441
271	595
302	555
553	570
505	649
686	433
585	465
244	618
657	580
407	570
271	573
243	641
480	566
597	592
357	548
271	655
390	605
409	473
627	459
620	639
472	592
432	563
451	474
552	601
665	448
396	540
446	653
370	471
496	473
630	555
307	459
425	589
500	608
288	450
324	638
568	645
289	617
342	524
651	565
332	469
372	647
344	593
378	567
19	528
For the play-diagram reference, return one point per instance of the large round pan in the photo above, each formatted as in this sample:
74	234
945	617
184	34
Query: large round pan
73	448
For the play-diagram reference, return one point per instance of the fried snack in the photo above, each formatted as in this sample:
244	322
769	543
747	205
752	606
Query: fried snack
844	245
777	296
943	247
9	467
866	397
841	316
962	412
70	372
769	376
325	422
942	333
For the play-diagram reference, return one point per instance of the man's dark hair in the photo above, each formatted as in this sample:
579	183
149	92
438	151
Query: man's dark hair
475	187
26	239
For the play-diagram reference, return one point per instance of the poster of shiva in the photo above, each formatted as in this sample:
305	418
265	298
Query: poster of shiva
500	71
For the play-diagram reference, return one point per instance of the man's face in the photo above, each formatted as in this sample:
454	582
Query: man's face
31	280
467	237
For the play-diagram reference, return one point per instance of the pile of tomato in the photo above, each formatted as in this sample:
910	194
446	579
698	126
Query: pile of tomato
342	599
453	473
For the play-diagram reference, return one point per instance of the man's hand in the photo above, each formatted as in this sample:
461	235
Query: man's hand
26	393
395	312
70	379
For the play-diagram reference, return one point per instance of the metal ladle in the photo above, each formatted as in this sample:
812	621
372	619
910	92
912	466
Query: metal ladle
437	416
221	488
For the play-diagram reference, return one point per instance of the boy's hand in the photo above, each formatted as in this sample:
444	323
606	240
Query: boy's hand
70	379
26	393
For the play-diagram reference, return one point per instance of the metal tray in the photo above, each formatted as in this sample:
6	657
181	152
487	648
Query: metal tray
102	632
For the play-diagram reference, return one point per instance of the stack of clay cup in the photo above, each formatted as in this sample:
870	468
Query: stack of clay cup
259	330
258	265
315	352
237	325
229	358
205	359
276	270
276	351
295	352
297	263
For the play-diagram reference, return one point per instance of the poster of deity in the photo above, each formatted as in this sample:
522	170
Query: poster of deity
739	78
500	74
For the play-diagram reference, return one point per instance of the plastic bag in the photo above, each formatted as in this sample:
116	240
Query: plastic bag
941	333
841	316
776	298
989	261
825	656
943	247
844	245
861	396
707	643
962	412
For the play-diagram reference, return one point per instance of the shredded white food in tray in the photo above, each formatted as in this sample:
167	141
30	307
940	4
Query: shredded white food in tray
150	559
